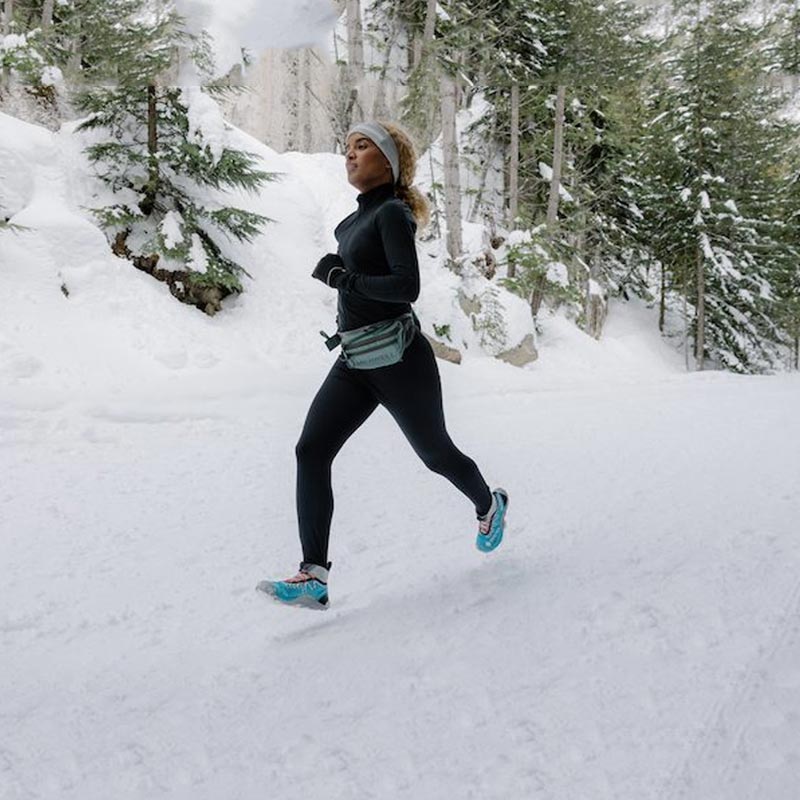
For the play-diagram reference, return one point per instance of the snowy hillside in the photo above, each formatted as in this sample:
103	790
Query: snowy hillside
129	321
636	636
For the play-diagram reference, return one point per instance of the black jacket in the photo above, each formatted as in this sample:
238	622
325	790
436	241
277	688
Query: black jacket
376	243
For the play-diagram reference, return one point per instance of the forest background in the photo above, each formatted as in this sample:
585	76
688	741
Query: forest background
601	149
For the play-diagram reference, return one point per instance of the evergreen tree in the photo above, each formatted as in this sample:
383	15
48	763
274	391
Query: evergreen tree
506	52
24	59
159	164
787	283
580	60
714	209
519	54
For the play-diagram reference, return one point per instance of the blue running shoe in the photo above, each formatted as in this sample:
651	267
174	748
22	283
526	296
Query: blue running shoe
309	588
492	524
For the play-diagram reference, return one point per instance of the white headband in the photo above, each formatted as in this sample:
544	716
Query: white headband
383	141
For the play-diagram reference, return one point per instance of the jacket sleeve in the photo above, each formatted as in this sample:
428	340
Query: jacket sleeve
396	227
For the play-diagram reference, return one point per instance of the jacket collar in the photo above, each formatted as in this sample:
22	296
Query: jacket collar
375	195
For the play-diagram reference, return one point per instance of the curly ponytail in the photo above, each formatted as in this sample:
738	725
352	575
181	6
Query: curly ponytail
405	188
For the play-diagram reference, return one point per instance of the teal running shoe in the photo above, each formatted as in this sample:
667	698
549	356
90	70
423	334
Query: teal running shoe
309	588
492	524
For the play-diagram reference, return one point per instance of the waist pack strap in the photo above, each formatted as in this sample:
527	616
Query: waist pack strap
331	341
334	341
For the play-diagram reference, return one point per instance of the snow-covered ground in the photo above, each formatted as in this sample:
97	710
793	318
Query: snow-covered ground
636	636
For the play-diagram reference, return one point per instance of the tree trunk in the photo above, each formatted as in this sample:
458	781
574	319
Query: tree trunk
47	14
491	151
699	339
380	107
537	293
596	304
436	227
794	56
5	73
421	45
335	48
410	48
8	14
151	190
292	101
513	167
304	115
686	316
74	60
558	139
452	181
349	75
662	302
152	132
355	39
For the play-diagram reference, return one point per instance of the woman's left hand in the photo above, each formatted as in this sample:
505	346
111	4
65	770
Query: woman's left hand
330	270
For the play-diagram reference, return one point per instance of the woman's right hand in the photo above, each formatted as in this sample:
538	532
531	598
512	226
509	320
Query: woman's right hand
330	270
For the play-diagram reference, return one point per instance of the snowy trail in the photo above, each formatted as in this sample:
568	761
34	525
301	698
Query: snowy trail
751	744
630	639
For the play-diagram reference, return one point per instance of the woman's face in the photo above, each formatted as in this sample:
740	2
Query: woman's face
367	167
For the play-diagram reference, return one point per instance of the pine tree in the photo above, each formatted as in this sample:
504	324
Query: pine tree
489	323
714	210
506	52
575	65
539	264
24	56
787	281
158	162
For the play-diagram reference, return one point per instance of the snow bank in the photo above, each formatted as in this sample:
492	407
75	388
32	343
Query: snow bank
120	333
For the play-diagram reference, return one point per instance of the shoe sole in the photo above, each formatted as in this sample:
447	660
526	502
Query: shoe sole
303	601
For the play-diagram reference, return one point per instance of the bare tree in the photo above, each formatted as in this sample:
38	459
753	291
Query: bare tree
292	100
380	106
8	14
47	14
452	181
355	38
304	109
486	163
421	45
346	101
8	11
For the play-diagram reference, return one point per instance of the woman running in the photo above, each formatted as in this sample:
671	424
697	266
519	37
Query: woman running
386	359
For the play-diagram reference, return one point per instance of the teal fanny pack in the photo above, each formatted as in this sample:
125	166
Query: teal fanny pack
379	344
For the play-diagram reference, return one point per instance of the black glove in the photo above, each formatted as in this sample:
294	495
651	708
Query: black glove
330	270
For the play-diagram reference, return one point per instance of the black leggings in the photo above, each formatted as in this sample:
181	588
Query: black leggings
411	392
